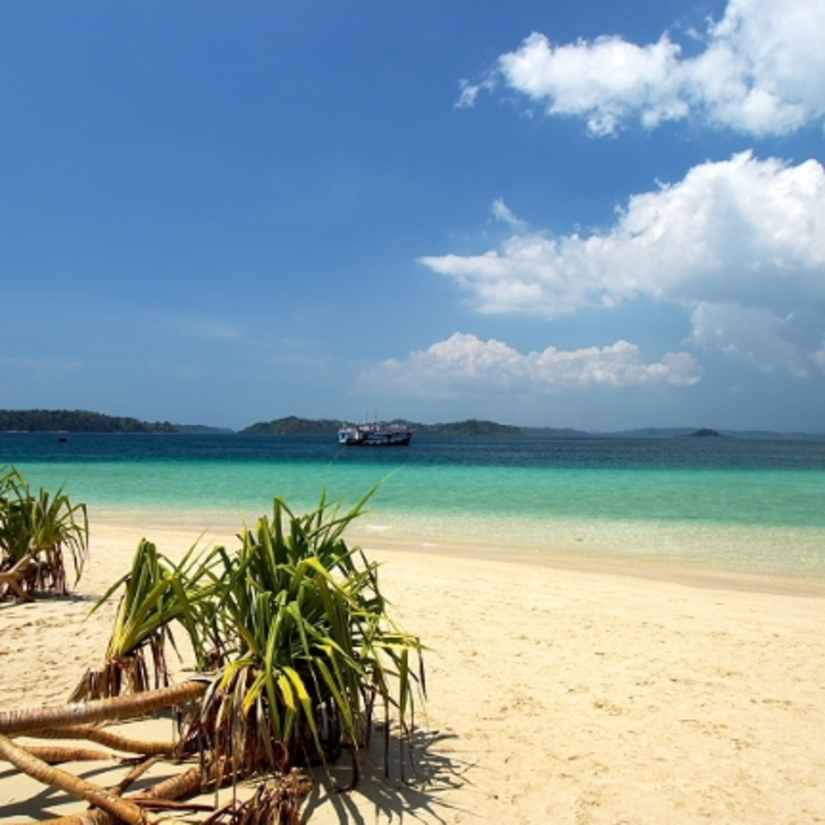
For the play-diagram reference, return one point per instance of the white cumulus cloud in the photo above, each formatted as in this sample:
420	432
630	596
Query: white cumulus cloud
743	233
466	363
761	72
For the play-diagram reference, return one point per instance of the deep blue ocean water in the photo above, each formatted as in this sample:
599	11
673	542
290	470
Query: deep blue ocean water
732	502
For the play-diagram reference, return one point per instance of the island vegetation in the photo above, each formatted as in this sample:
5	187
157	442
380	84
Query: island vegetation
83	421
77	421
469	427
293	425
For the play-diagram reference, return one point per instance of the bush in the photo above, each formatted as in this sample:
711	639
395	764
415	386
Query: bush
36	533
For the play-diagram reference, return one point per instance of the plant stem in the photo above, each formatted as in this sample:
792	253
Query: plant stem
27	720
108	738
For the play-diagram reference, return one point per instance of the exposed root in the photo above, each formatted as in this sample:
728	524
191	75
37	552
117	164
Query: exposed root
55	754
123	809
105	737
27	720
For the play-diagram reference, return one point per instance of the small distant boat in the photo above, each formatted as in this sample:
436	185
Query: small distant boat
376	434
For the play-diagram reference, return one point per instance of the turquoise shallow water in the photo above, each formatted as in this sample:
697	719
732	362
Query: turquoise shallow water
731	503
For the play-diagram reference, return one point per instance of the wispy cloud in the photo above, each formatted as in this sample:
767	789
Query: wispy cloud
41	365
200	327
501	212
733	236
761	72
466	363
470	91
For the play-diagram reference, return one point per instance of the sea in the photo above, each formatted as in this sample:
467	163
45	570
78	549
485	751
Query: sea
729	504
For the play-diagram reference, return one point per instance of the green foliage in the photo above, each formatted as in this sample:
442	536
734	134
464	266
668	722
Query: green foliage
305	642
292	425
37	531
294	627
470	427
77	421
156	593
14	541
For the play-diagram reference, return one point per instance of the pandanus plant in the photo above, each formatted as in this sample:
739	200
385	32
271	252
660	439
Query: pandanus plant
306	649
293	628
36	533
156	593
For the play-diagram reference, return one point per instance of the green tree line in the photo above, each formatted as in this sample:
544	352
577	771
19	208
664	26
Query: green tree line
77	421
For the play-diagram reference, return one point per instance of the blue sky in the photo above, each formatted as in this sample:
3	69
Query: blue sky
569	214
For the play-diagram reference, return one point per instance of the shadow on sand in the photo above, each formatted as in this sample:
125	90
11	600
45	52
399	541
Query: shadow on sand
408	784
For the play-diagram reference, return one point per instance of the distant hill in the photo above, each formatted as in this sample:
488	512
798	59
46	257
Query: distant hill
76	421
292	425
470	427
83	421
679	432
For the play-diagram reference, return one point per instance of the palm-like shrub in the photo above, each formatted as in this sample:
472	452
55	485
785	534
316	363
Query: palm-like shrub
305	645
294	630
37	532
156	593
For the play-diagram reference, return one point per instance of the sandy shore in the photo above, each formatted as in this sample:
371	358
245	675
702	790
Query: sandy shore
557	694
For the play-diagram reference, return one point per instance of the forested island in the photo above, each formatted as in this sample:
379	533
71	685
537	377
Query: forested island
292	425
83	421
471	426
77	421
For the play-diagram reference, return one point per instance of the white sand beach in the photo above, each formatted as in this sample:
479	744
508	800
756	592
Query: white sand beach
557	693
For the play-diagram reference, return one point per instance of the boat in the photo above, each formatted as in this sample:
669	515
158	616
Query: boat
376	434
